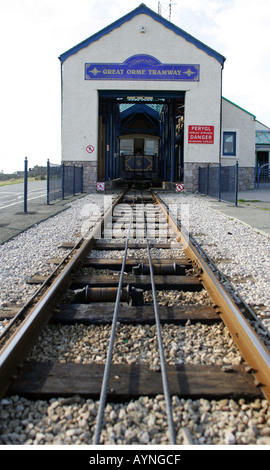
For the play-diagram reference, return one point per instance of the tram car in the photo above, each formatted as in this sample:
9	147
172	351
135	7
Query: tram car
139	156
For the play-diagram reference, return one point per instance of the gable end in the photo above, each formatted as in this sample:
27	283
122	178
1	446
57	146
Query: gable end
142	9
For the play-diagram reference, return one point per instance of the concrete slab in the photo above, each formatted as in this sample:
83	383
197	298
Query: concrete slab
255	195
253	209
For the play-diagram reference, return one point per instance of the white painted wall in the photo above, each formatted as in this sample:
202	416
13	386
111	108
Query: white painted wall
80	97
243	123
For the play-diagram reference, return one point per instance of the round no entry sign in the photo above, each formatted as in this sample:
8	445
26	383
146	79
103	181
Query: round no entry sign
100	186
179	188
90	148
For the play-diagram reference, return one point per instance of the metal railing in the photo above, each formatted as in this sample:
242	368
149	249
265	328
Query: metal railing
220	182
262	175
63	181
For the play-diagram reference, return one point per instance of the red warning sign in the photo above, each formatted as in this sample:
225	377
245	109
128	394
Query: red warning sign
200	134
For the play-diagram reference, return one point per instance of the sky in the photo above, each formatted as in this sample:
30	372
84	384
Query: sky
33	34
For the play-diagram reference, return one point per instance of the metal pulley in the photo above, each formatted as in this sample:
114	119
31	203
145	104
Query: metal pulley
100	294
162	269
108	294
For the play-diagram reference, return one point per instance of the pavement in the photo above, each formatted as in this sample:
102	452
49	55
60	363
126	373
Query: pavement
13	219
253	209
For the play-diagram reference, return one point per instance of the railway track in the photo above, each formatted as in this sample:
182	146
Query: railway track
160	284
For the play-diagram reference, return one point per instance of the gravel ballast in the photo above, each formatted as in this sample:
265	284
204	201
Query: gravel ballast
240	252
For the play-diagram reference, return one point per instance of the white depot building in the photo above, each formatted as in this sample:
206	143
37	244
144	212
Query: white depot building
143	99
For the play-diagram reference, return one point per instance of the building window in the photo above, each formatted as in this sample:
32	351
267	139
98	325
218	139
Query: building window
229	144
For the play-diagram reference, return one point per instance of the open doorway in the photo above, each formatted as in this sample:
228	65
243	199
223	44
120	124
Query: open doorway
262	156
149	126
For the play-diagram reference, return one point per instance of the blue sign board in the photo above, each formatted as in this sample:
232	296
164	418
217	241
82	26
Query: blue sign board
142	67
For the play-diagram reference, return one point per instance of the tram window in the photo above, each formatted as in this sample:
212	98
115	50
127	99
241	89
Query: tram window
126	146
229	143
151	146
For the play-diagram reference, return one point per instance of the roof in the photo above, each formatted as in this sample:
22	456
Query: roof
143	9
263	137
150	108
137	104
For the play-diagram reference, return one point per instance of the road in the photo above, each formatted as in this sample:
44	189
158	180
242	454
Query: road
13	219
13	195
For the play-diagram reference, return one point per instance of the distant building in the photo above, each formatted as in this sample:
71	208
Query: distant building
262	143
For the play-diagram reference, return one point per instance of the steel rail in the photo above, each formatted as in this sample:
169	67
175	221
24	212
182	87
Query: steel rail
17	347
160	345
26	306
224	278
250	345
106	375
